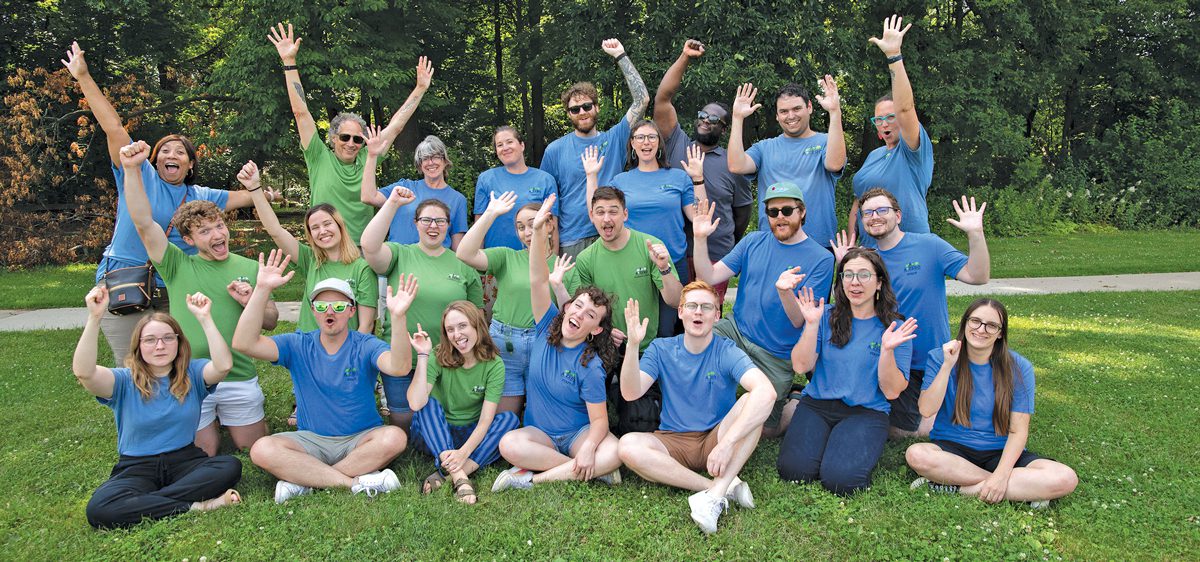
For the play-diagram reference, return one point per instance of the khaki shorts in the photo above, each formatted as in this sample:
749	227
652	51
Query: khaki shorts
689	448
778	371
327	449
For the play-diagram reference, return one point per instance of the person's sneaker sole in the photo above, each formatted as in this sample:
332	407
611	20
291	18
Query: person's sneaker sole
509	479
920	481
1039	504
741	495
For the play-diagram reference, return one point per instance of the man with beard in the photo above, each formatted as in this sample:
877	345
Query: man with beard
918	264
562	157
727	191
772	266
800	155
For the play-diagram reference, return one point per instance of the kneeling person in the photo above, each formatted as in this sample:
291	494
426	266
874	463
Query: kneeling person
704	425
341	441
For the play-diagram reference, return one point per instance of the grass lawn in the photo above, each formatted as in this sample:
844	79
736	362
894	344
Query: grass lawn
1117	396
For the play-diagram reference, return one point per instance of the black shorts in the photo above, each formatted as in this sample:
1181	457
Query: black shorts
987	460
905	414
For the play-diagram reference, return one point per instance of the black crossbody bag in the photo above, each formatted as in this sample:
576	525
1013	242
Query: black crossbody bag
131	289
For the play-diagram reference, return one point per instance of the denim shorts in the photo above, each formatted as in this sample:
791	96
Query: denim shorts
565	441
515	345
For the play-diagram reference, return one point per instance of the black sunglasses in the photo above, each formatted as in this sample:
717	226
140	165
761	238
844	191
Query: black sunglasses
785	211
575	109
712	119
351	138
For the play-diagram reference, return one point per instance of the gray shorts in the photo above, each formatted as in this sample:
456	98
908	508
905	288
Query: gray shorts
778	371
329	450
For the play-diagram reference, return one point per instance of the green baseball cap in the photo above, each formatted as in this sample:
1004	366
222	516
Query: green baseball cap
783	189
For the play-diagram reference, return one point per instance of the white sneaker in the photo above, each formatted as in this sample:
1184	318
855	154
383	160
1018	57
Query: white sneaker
285	491
706	509
739	492
514	477
374	482
612	479
1039	504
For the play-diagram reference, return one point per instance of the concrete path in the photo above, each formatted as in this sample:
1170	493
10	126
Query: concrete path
74	318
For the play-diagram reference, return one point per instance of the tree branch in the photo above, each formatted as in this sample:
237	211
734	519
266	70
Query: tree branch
155	109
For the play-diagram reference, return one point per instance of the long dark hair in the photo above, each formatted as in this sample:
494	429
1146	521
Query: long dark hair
1003	373
885	298
599	345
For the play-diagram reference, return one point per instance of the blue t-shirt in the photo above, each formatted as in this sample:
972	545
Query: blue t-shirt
533	186
561	160
403	231
802	162
918	266
851	373
982	434
758	260
655	201
697	389
559	388
160	424
723	188
126	248
906	174
335	394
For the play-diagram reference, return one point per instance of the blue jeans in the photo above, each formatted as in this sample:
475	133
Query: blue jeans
433	434
396	390
515	346
835	443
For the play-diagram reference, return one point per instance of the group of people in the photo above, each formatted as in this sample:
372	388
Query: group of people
595	283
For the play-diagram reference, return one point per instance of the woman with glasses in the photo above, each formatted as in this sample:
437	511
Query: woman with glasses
444	279
433	162
859	351
155	401
983	398
904	164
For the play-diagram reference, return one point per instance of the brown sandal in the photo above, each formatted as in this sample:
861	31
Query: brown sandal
463	489
433	482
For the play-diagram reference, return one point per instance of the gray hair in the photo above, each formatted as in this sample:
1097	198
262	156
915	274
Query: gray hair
336	124
431	146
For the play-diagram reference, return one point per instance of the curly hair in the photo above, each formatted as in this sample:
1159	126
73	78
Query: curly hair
600	345
885	299
335	125
192	213
585	89
485	349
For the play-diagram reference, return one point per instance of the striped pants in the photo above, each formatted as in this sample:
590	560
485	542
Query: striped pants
433	434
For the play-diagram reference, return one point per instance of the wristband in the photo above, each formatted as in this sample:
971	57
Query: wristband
665	271
422	355
895	59
622	56
288	67
253	190
698	182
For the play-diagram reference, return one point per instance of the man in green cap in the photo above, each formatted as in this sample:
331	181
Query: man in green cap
772	266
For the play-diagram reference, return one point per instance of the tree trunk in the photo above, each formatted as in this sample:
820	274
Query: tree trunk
536	144
498	47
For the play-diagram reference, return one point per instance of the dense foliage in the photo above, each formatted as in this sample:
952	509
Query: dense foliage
1059	113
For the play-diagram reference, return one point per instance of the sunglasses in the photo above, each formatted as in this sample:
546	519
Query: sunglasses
337	306
351	138
576	109
774	212
712	119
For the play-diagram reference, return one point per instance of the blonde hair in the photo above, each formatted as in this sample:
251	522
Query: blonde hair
346	248
139	369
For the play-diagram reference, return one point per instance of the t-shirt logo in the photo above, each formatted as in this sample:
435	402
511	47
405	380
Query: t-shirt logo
912	266
814	148
874	346
641	271
478	389
711	376
242	279
569	375
664	187
535	191
454	277
350	372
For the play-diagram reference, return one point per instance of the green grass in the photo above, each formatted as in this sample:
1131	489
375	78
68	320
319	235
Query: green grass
1117	396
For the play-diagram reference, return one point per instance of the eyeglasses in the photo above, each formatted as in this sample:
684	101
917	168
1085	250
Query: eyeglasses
701	306
337	306
351	138
644	138
576	109
862	276
881	212
426	221
988	327
889	118
774	212
706	116
169	339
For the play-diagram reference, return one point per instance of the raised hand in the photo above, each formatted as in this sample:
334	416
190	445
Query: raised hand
249	176
659	255
693	48
97	301
132	155
830	101
789	278
893	36
613	48
543	214
400	196
703	223
406	292
271	274
562	264
843	244
497	206
200	306
635	325
420	341
892	337
810	308
743	102
970	218
74	62
377	144
950	351
240	291
424	73
592	161
285	43
694	165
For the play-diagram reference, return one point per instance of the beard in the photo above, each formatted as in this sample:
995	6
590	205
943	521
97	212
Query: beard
710	138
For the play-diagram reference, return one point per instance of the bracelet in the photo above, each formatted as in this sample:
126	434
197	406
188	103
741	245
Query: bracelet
665	271
895	59
422	355
622	56
253	190
288	67
698	182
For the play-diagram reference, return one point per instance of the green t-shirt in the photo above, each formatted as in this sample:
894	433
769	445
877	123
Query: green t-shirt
513	304
629	273
442	280
185	275
358	274
462	391
331	181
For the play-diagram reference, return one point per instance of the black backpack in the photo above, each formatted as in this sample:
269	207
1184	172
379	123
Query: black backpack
640	415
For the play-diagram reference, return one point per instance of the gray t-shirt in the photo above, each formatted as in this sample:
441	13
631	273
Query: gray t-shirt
724	188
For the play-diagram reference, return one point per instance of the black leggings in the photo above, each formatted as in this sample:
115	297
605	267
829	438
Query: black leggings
159	486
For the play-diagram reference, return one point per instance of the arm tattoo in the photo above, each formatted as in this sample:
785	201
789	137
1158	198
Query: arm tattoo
408	108
637	89
299	89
